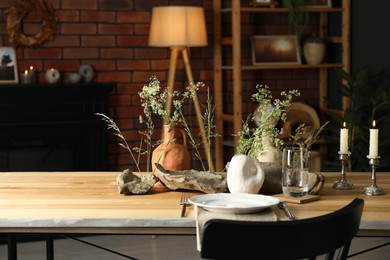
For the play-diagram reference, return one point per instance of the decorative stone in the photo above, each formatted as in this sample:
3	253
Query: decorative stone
244	175
129	183
205	181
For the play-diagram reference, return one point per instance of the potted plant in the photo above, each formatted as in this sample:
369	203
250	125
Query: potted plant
369	101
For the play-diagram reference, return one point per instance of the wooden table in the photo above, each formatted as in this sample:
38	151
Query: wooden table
89	202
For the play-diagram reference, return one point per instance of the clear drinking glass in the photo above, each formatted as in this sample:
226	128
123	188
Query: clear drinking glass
295	169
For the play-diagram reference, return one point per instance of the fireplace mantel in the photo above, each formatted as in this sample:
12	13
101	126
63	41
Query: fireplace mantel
53	127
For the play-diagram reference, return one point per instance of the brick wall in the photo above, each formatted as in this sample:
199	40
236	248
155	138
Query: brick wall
112	36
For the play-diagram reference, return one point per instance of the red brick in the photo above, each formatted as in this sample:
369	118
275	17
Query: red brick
141	76
152	53
134	65
114	77
132	41
97	16
159	64
68	16
116	5
101	65
25	64
120	100
54	3
64	40
133	17
98	41
127	112
79	4
80	53
116	53
128	88
63	65
141	29
115	29
86	28
31	28
42	53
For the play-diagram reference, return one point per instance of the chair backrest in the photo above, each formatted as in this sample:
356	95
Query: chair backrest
306	238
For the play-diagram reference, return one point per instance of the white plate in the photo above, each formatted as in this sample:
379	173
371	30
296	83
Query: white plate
234	203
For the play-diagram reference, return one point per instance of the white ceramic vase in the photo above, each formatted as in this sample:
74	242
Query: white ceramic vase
244	175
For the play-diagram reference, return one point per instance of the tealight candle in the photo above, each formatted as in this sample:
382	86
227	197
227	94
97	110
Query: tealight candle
344	140
25	78
373	148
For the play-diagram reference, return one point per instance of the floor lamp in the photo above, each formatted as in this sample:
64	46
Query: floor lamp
181	27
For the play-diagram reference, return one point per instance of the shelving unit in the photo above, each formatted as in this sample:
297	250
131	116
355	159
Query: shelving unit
237	68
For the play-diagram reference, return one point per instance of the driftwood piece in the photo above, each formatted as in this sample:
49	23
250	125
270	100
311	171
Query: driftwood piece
208	182
129	183
211	182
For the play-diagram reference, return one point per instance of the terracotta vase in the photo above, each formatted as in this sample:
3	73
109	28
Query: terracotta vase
170	154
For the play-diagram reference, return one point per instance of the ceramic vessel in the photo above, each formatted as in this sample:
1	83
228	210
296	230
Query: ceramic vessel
244	175
74	77
52	76
170	154
314	50
86	72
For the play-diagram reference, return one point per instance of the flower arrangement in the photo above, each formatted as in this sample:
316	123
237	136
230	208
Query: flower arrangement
153	100
251	140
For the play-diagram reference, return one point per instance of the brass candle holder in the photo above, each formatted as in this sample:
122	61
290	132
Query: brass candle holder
343	183
373	189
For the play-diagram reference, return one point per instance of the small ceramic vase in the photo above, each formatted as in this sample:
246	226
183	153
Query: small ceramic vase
244	175
86	72
74	77
52	76
314	50
171	155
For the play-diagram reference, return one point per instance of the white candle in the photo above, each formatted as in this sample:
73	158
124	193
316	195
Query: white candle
343	140
373	148
25	78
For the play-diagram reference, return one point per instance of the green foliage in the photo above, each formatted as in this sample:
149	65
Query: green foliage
251	138
297	16
369	101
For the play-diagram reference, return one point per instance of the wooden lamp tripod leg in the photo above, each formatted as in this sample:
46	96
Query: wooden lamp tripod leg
171	77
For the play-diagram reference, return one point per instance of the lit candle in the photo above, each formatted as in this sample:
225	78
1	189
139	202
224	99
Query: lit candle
32	74
25	78
373	148
344	140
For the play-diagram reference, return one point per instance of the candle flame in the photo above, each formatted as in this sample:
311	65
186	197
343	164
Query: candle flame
344	125
26	72
31	67
373	124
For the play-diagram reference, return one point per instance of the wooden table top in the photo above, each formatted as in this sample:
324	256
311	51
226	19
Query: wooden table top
89	202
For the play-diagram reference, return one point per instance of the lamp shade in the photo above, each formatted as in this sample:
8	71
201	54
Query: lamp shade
178	26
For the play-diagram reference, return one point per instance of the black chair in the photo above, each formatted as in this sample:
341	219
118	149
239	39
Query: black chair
298	239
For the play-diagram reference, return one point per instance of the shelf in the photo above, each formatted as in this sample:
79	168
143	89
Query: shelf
231	45
283	10
285	66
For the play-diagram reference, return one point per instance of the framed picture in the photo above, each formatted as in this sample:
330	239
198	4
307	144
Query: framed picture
318	3
275	49
8	66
